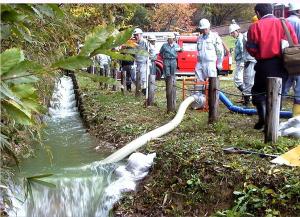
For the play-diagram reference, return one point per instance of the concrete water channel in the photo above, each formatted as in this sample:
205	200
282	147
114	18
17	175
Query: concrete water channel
68	154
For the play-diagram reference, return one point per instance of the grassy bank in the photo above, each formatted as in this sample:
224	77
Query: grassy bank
192	176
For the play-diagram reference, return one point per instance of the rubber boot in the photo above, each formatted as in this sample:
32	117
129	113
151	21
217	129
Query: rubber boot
261	111
128	87
246	100
241	88
296	110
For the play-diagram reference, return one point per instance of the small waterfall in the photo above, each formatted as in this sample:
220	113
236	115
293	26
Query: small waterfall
84	187
63	102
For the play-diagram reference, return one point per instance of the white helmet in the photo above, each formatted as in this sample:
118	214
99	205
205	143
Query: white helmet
204	24
137	31
233	27
294	6
152	38
171	36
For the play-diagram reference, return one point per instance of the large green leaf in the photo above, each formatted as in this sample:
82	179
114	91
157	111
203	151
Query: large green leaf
72	63
95	39
12	16
23	68
7	93
135	51
26	8
5	7
28	95
97	78
16	112
36	179
24	91
10	58
118	56
33	105
105	46
26	79
45	10
122	37
40	176
56	10
115	40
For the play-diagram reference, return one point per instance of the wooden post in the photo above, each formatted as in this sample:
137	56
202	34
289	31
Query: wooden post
101	74
274	86
138	84
123	82
171	93
213	99
151	90
106	74
114	76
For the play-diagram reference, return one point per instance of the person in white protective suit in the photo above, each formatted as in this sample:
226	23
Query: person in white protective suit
104	62
234	31
152	53
210	52
249	71
141	60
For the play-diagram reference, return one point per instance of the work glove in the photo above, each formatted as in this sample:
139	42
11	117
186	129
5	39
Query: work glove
219	66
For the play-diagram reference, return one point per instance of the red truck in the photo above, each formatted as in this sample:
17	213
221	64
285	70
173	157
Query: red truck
187	59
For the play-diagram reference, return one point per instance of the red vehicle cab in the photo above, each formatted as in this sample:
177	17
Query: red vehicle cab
187	59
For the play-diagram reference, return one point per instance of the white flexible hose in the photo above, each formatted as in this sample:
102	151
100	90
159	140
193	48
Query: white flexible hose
158	132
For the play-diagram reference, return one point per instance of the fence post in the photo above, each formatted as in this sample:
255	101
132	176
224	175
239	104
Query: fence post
138	84
151	90
274	86
213	99
106	74
115	77
123	81
101	74
171	93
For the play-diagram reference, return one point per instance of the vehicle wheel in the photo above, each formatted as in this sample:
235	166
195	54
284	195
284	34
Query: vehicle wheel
158	73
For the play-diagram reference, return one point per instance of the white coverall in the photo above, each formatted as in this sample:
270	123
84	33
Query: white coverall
210	52
249	71
141	61
239	70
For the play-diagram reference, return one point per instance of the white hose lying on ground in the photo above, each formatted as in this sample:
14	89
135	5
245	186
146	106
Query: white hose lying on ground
156	133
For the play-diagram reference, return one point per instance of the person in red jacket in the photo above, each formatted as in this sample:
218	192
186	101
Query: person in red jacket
264	43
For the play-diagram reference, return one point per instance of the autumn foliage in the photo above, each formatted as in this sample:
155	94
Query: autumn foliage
172	17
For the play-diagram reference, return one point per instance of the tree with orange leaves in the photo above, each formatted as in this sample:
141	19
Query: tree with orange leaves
172	17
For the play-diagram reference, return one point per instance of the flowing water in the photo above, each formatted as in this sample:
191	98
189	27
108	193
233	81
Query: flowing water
82	187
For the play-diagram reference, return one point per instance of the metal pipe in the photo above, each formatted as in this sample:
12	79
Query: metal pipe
158	132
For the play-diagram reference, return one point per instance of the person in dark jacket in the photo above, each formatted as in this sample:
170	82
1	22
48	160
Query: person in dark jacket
264	43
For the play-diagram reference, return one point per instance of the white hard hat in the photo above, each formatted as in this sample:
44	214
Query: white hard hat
294	6
204	24
171	36
137	31
152	38
233	27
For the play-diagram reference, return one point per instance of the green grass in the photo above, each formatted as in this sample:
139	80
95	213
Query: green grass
229	41
192	175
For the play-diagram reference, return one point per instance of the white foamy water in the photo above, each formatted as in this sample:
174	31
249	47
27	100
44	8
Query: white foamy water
84	187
